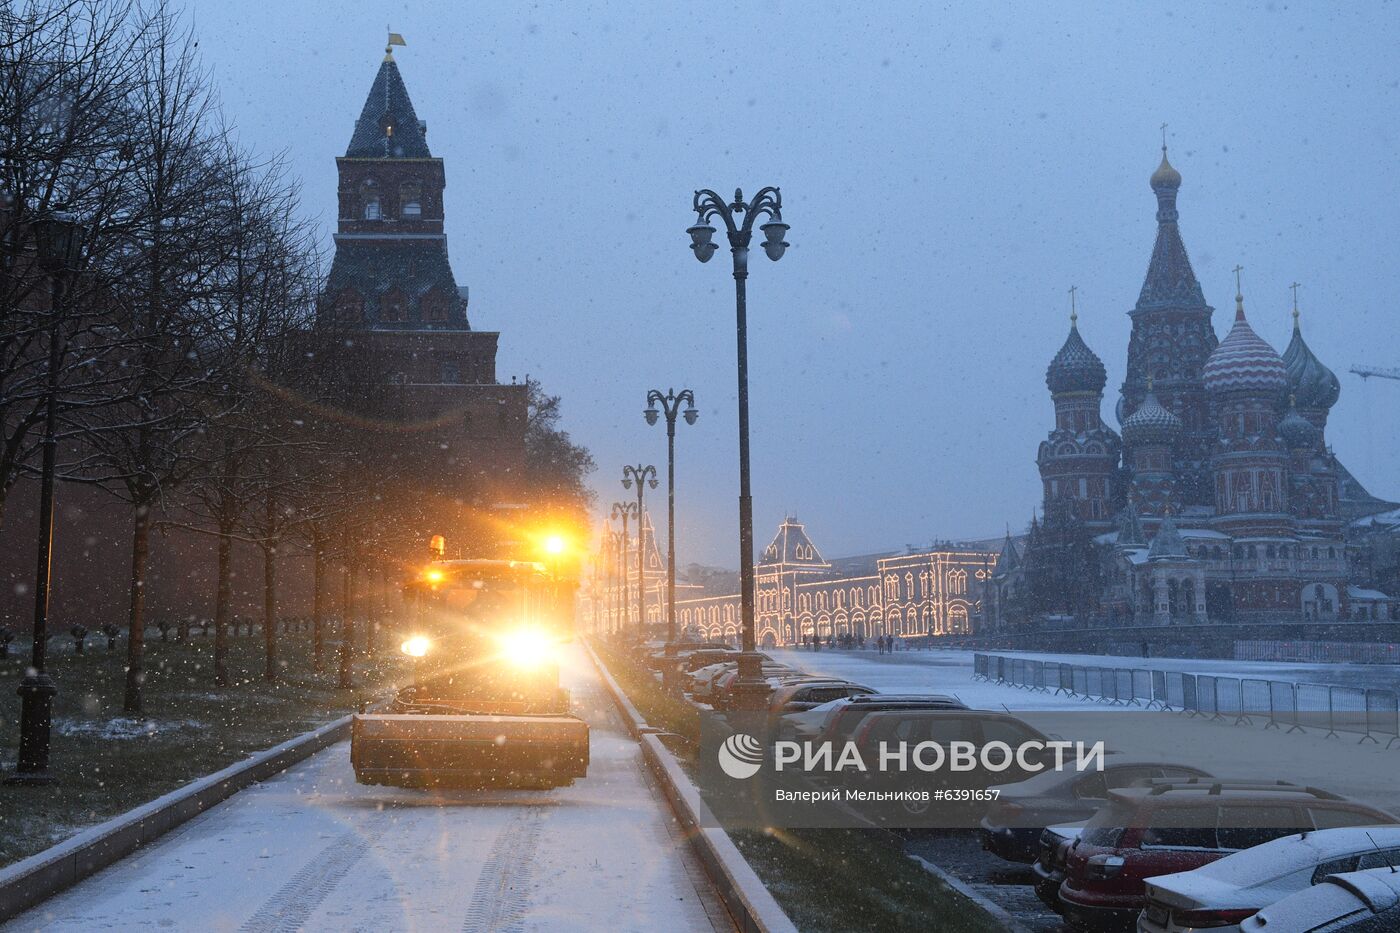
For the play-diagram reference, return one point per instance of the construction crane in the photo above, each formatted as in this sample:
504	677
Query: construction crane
1366	372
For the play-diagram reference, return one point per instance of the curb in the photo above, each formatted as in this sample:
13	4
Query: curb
996	911
46	873
750	904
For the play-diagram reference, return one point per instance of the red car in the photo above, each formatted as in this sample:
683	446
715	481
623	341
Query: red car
1173	826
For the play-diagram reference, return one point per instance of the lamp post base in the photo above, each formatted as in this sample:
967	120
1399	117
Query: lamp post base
750	690
36	692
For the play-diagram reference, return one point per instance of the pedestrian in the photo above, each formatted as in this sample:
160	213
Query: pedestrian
1146	648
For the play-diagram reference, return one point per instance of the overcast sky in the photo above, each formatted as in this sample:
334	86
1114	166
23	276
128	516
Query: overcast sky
948	173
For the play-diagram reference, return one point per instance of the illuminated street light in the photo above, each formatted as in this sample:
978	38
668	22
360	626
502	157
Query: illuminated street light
641	475
671	406
750	689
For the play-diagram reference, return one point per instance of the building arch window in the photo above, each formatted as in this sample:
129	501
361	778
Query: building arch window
433	306
393	307
410	200
350	307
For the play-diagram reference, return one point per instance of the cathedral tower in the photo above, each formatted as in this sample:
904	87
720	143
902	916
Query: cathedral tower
1171	338
1079	459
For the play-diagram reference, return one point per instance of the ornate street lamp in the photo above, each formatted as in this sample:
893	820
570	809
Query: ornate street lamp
750	689
670	407
641	475
58	242
625	510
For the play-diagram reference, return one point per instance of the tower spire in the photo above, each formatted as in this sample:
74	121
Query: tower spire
1295	286
1073	310
1239	294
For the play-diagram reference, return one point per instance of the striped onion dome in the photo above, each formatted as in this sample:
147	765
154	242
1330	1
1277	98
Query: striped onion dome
1244	361
1152	423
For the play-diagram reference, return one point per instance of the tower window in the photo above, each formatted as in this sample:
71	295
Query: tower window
410	198
451	372
372	208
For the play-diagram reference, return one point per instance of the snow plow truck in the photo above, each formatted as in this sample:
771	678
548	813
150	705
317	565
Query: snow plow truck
485	708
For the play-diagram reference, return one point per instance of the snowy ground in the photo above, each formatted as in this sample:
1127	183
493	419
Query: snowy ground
941	670
313	850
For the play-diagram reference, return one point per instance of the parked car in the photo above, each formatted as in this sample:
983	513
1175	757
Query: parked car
705	681
1222	894
1011	828
1174	826
775	674
1049	867
796	697
834	721
1353	902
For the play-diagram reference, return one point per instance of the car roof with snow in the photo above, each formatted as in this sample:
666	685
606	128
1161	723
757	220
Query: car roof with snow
1276	858
1356	895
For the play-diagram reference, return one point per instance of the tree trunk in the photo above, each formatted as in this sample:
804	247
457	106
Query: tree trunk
270	611
222	595
318	605
347	625
372	614
136	619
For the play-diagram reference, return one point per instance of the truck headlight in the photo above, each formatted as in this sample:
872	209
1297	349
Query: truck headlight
416	647
527	647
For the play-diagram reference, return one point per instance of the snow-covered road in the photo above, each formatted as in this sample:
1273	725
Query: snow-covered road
313	850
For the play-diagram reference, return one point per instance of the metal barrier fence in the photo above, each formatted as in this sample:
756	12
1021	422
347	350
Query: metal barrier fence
1350	652
1294	707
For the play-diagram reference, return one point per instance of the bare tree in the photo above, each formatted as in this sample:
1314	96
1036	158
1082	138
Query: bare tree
162	373
68	72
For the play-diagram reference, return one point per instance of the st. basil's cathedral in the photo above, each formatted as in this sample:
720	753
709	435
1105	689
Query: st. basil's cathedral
1219	500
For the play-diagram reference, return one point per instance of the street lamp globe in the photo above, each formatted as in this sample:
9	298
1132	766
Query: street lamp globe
650	415
773	244
702	240
627	482
691	414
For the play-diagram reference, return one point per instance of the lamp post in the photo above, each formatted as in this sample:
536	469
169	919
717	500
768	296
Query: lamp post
670	407
750	689
624	510
58	244
641	475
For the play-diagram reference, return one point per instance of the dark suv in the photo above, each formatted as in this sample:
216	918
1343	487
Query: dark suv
1173	826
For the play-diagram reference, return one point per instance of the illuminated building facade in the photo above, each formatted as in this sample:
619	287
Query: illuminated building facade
937	590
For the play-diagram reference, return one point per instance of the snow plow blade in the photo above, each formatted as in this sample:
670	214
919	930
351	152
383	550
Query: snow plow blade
423	751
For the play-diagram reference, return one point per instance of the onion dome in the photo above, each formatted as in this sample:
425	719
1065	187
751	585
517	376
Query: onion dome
1152	423
1313	385
1165	177
1075	368
1298	432
1244	361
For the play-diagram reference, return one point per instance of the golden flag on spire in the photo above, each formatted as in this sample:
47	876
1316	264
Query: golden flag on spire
394	39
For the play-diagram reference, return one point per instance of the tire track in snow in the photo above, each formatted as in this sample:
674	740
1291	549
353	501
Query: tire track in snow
502	893
288	910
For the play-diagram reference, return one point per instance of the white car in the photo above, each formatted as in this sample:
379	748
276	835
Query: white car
1355	902
1219	896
